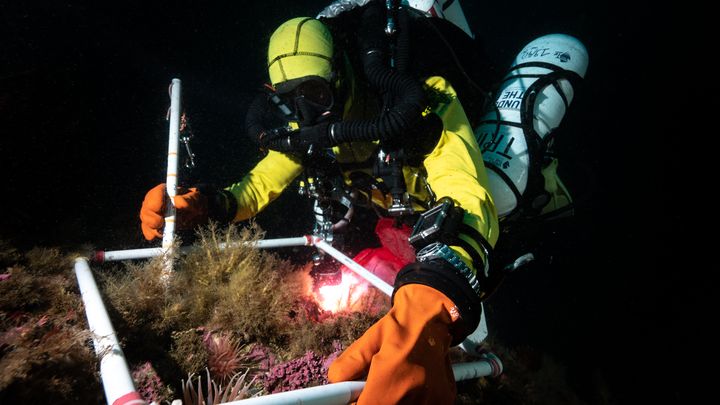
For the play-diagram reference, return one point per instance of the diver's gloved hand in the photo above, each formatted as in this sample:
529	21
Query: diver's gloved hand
191	208
404	356
298	141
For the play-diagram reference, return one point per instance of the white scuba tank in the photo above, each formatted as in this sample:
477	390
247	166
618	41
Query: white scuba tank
504	146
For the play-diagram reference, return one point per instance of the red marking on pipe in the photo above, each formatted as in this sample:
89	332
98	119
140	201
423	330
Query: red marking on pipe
131	398
494	366
99	256
309	240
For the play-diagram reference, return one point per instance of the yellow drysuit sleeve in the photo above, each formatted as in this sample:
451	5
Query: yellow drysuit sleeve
455	169
264	183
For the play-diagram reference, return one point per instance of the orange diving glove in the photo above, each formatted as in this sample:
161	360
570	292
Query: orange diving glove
404	356
194	207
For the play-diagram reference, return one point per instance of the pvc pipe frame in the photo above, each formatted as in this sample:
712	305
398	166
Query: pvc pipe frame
114	372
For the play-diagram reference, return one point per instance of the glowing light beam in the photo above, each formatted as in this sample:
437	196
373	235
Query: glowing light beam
343	296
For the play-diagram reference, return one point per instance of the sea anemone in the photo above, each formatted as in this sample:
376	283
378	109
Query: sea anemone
224	358
236	389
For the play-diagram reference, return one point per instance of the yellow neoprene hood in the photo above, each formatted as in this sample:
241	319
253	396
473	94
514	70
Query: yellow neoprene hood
300	47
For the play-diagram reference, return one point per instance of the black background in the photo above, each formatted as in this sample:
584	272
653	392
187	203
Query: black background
83	98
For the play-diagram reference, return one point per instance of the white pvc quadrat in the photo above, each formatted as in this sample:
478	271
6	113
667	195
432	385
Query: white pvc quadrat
114	371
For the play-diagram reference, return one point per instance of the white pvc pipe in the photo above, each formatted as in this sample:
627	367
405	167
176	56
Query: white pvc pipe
329	394
118	255
114	372
345	392
172	172
354	266
280	242
491	366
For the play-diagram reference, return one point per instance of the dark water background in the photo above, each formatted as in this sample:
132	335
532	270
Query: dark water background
83	97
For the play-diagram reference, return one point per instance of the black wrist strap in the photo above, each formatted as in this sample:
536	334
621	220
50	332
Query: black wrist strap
225	208
221	204
443	277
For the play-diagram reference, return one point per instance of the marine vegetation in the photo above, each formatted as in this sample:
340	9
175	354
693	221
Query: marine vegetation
44	350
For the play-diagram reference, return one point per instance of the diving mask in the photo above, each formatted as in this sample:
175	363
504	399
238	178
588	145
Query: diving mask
307	100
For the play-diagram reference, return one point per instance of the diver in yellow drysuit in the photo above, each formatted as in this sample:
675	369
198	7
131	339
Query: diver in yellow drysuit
436	302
